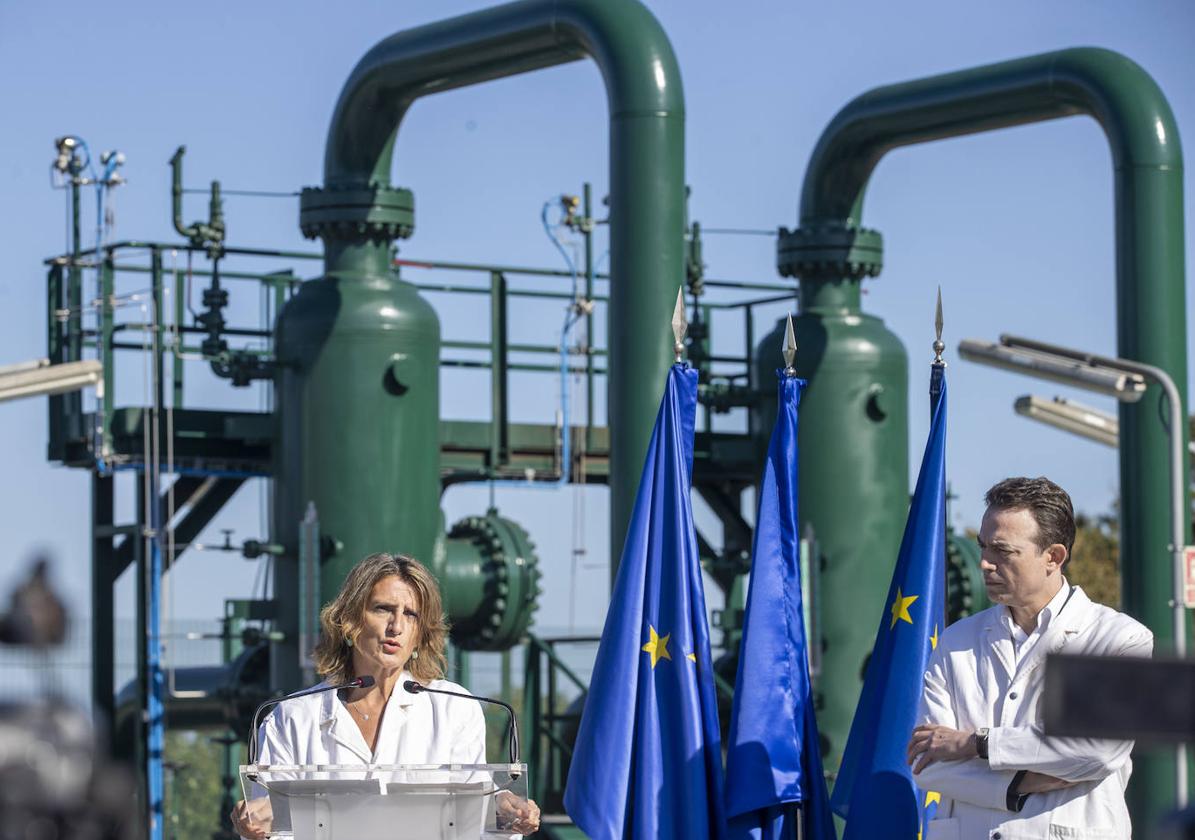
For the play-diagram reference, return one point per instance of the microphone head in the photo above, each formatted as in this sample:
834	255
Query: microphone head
365	681
412	687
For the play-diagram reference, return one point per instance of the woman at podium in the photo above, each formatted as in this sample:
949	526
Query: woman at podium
387	622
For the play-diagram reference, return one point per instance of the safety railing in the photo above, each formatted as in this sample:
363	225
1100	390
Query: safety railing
162	320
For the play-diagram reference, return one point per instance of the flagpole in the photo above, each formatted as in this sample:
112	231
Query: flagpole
936	378
789	352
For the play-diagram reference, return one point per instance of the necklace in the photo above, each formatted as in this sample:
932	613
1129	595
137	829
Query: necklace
363	715
353	708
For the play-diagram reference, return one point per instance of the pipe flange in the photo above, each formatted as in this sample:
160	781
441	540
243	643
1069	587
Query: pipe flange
373	213
509	583
965	593
830	250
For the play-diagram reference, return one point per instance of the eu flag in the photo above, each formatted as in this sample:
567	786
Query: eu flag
773	760
875	790
648	758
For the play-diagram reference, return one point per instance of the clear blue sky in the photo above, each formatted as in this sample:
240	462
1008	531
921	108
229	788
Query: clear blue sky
1016	226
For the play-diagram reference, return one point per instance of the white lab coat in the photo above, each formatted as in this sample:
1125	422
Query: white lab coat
974	680
416	729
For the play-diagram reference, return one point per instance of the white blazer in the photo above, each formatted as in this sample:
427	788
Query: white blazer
416	729
974	681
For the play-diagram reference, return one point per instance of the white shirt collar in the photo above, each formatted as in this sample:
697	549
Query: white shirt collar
1043	618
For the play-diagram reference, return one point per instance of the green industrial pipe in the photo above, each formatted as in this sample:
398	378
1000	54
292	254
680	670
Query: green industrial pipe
1150	283
646	109
199	233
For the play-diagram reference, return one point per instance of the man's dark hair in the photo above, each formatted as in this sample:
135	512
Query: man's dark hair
1048	503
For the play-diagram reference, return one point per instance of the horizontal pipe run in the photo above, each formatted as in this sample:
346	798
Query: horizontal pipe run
268	278
146	328
735	284
22	367
467	363
485	290
185	350
50	379
524	271
133	244
513	348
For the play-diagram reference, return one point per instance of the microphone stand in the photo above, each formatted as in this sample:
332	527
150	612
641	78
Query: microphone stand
413	687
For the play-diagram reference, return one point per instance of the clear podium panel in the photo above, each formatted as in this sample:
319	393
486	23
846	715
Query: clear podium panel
385	801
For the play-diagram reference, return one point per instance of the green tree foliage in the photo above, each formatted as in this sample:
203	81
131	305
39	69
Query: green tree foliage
1095	561
193	805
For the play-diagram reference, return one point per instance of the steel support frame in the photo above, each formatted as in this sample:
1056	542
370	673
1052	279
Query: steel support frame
103	614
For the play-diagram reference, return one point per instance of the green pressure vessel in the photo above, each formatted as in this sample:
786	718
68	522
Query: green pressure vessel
358	413
853	441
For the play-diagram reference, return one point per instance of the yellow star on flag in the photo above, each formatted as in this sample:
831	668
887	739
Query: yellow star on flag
933	640
930	797
692	657
657	646
900	608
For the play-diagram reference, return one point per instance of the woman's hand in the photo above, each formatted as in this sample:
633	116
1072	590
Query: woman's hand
517	814
253	818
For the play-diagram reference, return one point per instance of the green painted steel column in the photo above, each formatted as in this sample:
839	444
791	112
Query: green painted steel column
646	107
1150	282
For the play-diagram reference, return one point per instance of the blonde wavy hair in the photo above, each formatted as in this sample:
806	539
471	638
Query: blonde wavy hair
341	619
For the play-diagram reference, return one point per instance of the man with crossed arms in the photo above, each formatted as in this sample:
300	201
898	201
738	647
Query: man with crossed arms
980	745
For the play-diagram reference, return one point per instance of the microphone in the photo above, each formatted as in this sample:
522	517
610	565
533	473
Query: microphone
359	682
513	731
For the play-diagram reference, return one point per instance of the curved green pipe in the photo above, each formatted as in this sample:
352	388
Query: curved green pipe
1150	279
646	108
1105	85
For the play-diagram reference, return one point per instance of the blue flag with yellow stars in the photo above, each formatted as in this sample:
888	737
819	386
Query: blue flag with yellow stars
874	791
648	757
773	758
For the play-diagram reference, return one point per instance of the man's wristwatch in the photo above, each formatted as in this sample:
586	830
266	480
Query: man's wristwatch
981	743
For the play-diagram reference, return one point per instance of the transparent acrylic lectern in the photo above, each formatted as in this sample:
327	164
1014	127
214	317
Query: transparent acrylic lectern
385	801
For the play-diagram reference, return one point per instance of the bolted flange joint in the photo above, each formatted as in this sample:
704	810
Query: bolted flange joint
508	585
830	249
374	213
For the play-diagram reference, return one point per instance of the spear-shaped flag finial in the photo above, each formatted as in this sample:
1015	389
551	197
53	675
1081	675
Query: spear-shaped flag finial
938	345
790	347
680	325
